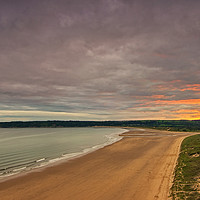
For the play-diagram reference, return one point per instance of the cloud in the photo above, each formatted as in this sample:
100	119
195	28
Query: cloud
106	59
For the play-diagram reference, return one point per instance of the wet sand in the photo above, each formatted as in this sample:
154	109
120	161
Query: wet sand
138	167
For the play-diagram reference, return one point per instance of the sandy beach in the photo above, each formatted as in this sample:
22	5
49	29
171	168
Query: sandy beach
138	167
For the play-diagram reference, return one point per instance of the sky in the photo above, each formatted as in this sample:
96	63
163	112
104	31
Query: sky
99	59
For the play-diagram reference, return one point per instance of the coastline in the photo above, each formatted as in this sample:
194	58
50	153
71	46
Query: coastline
138	164
111	138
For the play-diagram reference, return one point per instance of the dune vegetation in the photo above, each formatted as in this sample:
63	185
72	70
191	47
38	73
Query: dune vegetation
186	183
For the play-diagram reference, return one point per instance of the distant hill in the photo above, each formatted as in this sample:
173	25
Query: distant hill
172	125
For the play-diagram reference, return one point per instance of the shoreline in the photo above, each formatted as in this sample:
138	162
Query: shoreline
128	162
112	138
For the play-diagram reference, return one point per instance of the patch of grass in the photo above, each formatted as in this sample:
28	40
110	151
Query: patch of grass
186	184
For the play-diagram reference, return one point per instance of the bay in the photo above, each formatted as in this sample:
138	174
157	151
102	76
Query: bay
23	149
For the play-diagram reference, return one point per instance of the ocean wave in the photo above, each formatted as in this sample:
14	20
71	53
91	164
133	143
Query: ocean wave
40	160
19	169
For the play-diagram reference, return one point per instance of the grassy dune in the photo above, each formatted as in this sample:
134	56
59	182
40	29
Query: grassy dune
186	183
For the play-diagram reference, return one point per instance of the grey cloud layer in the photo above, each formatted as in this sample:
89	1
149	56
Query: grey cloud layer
97	56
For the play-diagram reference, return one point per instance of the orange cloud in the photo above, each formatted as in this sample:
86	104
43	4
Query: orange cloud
185	101
158	96
189	114
192	116
175	81
193	87
186	111
168	86
146	103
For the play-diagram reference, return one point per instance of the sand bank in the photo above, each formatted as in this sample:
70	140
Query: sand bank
138	167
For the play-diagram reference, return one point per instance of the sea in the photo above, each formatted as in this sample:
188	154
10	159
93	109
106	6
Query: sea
24	149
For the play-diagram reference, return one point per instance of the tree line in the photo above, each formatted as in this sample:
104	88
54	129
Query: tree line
172	125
